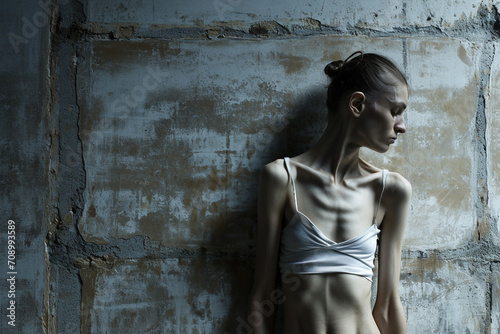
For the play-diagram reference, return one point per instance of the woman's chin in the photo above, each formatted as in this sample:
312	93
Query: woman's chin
380	149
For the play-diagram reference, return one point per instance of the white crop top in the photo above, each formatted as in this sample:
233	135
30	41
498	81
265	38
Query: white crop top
305	250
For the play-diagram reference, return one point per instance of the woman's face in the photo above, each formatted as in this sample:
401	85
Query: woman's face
382	119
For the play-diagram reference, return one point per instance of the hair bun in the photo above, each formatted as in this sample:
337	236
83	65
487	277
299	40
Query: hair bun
333	69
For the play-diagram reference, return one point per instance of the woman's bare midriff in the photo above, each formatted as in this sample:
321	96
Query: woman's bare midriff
327	304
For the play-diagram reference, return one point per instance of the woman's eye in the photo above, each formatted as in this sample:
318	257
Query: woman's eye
397	112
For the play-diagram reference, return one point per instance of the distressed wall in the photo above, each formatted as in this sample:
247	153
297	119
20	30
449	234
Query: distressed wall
25	187
134	133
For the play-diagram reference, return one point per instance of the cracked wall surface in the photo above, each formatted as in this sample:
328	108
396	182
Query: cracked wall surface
133	135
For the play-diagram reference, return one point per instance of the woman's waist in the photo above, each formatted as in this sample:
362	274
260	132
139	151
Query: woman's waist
348	292
327	303
313	321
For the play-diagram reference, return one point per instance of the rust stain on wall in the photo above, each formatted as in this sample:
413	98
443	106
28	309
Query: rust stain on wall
482	228
177	294
462	54
92	211
107	54
88	277
292	63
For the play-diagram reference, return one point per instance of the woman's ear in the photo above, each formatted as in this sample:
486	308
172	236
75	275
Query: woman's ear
357	103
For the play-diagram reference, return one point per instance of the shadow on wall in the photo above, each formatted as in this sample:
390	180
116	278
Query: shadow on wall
305	123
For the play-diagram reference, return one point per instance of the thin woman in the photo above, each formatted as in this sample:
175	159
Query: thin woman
322	213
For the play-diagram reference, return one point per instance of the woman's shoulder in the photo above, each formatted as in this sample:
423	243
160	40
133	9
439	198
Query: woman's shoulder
274	173
395	182
398	188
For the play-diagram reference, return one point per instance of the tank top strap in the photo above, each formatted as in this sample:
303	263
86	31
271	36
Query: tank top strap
289	171
384	178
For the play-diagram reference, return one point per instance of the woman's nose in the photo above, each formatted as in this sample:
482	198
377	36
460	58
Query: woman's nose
400	126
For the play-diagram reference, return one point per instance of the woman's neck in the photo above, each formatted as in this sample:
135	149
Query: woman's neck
334	153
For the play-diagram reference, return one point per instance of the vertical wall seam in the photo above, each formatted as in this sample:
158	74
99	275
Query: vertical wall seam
492	223
405	56
480	161
50	315
490	292
78	134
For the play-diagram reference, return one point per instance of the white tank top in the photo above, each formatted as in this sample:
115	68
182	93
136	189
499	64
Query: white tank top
305	250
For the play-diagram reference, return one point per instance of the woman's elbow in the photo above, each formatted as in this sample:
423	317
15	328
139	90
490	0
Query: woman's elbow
390	318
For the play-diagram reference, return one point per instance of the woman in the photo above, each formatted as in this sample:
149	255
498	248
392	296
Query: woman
321	213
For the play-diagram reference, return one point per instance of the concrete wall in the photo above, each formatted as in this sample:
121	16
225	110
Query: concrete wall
134	133
26	188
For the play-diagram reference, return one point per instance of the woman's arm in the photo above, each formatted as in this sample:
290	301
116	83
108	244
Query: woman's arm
272	197
388	311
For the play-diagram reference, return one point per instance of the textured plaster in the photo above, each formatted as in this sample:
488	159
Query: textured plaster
169	296
434	291
24	160
493	137
216	109
382	15
134	133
